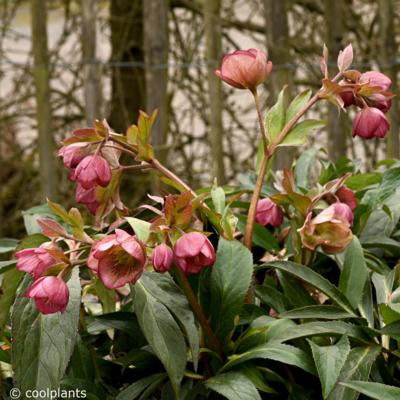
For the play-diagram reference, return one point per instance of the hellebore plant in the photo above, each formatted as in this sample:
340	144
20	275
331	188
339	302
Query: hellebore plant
209	293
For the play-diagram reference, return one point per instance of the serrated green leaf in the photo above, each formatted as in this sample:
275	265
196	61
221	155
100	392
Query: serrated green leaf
299	134
316	312
329	361
276	117
230	280
316	280
141	228
357	366
166	291
374	390
284	353
233	386
354	273
43	344
7	245
162	333
297	104
133	391
304	164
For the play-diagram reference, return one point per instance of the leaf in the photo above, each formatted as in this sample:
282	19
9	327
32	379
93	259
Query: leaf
51	228
297	104
329	361
322	328
141	228
271	296
162	333
262	237
230	280
276	117
316	280
357	366
354	273
7	245
218	198
374	390
233	386
7	266
133	391
304	165
298	135
317	312
165	290
345	58
43	344
284	353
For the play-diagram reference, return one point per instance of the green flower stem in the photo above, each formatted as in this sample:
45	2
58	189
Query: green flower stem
269	150
208	332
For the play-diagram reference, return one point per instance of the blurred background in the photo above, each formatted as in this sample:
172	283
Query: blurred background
64	63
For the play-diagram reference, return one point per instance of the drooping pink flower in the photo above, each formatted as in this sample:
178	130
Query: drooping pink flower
193	252
348	98
87	197
93	170
347	196
244	69
50	293
162	257
335	211
268	213
369	123
330	229
118	259
375	78
380	101
36	261
73	154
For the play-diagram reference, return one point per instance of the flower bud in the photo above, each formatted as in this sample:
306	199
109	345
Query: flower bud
347	196
35	261
73	154
375	78
87	197
50	293
162	258
369	123
330	229
268	213
93	170
244	69
193	252
118	259
380	101
348	98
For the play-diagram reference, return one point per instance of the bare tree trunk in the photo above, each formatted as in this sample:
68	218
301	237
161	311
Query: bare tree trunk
387	56
278	44
156	56
128	81
88	41
337	134
43	102
213	52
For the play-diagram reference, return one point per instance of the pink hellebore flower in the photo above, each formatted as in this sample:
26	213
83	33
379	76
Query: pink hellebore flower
162	258
244	69
73	154
118	259
50	293
330	229
193	252
87	197
347	196
375	78
268	213
93	170
369	123
35	261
